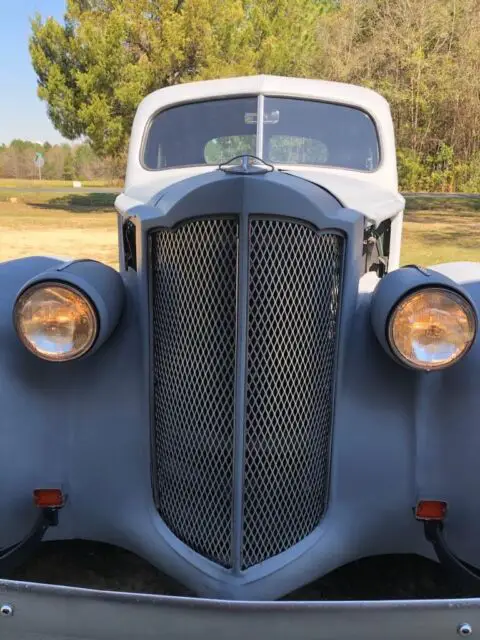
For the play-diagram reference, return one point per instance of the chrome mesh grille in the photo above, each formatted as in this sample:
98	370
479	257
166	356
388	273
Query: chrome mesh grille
294	278
194	276
294	291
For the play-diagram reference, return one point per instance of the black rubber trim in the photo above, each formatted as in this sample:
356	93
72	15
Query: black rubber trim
462	572
15	555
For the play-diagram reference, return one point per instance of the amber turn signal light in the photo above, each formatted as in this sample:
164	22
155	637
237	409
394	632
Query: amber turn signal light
431	510
49	498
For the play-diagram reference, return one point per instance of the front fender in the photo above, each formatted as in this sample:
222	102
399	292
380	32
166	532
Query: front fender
72	424
447	419
85	425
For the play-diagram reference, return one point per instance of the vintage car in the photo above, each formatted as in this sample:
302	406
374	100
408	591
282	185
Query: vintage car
261	395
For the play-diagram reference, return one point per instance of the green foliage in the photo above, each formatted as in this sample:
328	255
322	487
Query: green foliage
294	150
62	162
439	172
94	69
68	166
223	149
422	55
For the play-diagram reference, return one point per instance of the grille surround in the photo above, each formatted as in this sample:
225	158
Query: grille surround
213	534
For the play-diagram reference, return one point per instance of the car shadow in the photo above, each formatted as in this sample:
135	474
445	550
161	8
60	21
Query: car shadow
77	203
100	566
462	232
460	239
442	203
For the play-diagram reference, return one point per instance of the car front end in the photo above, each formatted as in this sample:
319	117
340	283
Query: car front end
259	397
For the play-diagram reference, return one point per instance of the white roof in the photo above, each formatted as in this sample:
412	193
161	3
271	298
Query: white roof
340	92
384	177
373	193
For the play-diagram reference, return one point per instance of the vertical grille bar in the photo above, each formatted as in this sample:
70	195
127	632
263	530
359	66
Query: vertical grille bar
194	281
294	292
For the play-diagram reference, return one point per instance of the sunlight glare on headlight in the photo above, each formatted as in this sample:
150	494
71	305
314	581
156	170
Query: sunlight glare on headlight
55	321
432	328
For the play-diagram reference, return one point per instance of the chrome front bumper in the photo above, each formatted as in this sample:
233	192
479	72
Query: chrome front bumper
39	611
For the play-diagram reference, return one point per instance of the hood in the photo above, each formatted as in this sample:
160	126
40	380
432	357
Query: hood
375	202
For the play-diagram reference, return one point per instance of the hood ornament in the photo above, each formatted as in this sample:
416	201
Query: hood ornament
249	164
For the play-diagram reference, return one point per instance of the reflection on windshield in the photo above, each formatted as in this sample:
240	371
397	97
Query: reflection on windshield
222	149
320	133
295	131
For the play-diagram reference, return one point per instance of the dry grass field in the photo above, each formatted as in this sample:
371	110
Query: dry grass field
441	230
84	225
58	224
42	184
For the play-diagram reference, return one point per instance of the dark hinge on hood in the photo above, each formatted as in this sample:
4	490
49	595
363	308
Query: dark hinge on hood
129	244
376	248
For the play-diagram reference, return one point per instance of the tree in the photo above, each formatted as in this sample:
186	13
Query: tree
16	160
422	55
68	171
94	69
62	162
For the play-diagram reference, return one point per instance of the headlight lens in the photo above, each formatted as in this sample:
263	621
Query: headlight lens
55	321
432	328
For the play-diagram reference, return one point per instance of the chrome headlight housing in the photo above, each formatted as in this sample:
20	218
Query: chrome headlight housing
56	321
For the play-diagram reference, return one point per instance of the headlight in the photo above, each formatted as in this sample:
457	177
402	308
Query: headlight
431	328
55	321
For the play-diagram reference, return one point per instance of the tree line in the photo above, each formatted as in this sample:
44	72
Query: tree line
62	162
422	55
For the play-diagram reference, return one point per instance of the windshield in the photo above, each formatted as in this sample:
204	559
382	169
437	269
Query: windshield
292	131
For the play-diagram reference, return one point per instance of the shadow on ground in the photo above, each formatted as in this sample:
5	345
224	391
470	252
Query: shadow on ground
78	203
448	217
450	205
461	239
101	566
442	230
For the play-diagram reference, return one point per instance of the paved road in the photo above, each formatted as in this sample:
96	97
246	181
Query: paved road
62	189
441	195
118	190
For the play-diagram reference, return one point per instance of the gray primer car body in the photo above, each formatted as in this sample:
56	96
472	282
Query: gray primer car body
85	425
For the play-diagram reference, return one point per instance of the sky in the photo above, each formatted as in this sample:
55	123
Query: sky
22	114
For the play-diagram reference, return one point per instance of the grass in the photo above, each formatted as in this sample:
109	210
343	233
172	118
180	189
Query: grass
64	225
441	230
85	225
55	201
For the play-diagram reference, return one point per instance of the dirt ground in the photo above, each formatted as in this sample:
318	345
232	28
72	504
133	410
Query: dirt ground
28	229
438	231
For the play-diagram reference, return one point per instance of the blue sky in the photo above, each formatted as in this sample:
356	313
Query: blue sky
22	114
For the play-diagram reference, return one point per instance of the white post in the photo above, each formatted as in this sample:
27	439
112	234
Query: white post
395	242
